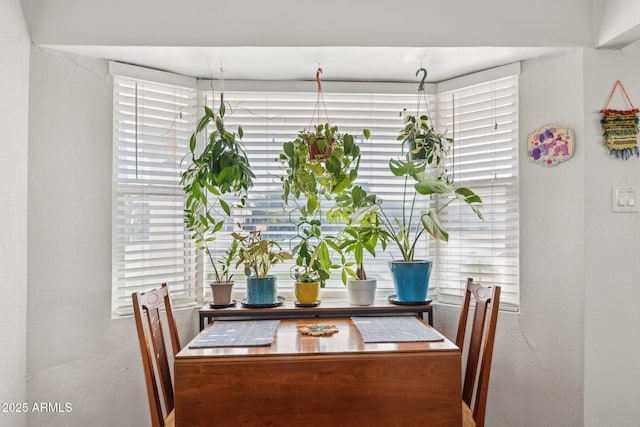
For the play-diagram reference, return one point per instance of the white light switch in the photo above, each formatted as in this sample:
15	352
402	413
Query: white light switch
625	198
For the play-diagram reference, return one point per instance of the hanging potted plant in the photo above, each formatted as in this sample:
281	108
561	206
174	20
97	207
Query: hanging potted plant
420	178
305	184
320	141
362	234
216	180
258	256
423	142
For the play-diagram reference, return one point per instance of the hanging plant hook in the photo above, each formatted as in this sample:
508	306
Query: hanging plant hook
424	77
318	72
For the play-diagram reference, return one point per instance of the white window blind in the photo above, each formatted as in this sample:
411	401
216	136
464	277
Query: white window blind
271	118
484	121
152	124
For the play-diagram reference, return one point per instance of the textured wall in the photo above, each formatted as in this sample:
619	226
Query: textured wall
77	353
537	372
568	343
14	122
612	274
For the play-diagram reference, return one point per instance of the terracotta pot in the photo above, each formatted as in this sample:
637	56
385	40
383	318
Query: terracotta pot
316	153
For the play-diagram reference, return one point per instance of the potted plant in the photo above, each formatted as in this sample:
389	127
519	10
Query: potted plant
331	175
221	289
313	261
220	168
320	141
424	143
361	235
258	256
305	184
427	177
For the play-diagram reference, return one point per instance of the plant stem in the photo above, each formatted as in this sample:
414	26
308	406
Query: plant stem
394	236
362	275
208	252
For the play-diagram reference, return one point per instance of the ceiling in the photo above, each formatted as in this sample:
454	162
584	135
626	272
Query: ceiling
300	63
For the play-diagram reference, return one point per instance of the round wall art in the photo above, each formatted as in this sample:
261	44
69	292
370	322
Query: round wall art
550	145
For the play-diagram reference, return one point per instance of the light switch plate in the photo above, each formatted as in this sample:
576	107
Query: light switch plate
625	198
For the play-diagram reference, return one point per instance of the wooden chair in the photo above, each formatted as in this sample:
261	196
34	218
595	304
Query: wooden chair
480	353
146	307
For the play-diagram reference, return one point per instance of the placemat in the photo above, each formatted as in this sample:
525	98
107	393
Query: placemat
394	329
237	333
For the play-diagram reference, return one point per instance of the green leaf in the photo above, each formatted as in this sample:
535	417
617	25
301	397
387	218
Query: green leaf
397	167
192	143
477	212
342	185
351	273
362	212
225	207
240	132
468	196
367	133
432	225
430	185
348	143
217	227
219	124
323	254
312	204
358	254
333	165
332	245
288	149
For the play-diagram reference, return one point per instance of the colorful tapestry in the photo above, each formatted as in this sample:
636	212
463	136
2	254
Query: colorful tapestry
550	145
620	127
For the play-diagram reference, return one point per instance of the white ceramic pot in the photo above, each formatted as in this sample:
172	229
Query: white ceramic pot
361	292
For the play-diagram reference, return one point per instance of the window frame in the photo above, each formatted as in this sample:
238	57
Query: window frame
204	86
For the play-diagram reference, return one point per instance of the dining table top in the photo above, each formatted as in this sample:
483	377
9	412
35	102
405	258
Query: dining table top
289	341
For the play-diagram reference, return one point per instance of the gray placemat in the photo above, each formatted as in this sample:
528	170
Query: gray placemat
394	329
237	333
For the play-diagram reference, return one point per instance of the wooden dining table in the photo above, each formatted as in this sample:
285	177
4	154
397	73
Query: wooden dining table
306	381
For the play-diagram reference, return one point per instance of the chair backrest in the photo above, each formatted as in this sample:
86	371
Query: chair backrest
146	307
480	352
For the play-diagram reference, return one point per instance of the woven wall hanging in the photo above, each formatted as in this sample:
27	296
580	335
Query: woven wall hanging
620	127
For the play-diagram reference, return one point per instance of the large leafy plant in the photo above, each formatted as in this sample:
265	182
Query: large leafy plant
216	179
421	177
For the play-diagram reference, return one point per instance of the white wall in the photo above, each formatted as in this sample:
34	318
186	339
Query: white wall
14	98
537	368
612	251
305	23
77	353
568	343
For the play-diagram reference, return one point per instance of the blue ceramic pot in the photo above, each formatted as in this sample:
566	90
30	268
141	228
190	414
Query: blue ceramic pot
411	279
262	290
